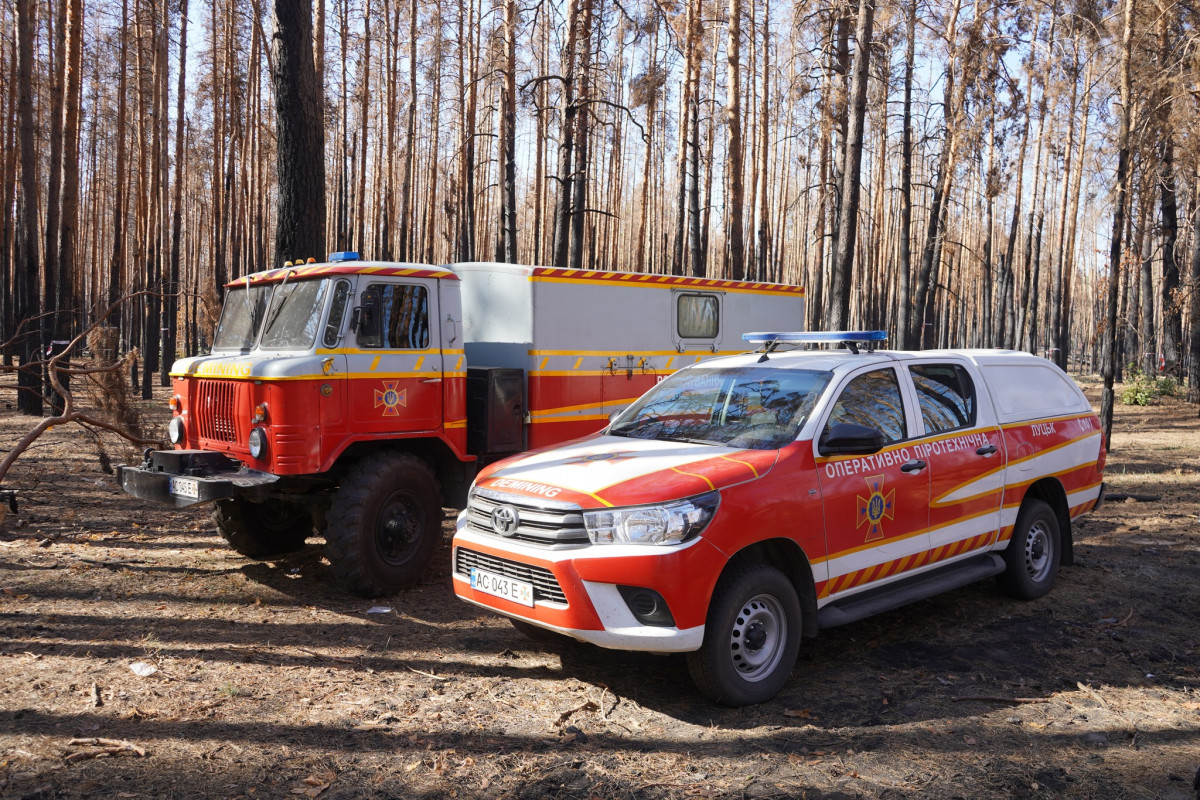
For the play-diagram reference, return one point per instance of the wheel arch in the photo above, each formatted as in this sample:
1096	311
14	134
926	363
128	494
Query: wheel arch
453	475
790	557
1051	492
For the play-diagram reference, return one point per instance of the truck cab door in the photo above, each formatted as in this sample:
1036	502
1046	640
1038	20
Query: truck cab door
395	370
876	504
964	448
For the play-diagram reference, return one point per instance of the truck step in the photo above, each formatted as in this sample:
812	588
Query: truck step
907	591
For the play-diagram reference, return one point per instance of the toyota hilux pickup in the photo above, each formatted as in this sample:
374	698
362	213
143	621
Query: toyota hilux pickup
747	502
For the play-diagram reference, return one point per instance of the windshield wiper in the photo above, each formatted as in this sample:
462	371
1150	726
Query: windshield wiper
697	441
276	309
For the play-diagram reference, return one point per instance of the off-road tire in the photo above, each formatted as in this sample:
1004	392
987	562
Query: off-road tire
259	530
384	524
751	637
1033	555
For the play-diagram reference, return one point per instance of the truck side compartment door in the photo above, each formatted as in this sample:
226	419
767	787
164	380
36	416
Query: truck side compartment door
964	448
396	368
876	505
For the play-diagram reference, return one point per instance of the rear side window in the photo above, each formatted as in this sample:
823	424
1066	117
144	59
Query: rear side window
697	316
947	396
871	399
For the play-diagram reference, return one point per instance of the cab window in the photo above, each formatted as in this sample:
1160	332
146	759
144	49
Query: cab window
403	317
872	399
947	396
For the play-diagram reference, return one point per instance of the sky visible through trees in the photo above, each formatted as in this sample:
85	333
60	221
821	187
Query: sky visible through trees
948	170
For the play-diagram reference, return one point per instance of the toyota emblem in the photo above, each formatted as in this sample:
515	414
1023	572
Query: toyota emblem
505	520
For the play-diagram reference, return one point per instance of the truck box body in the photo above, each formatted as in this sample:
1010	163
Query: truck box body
592	342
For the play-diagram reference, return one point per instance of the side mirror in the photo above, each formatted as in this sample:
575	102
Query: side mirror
365	322
846	439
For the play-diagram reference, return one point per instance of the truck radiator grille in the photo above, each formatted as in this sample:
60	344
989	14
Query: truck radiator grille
553	525
214	410
545	585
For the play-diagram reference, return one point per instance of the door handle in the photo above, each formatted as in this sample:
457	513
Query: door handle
915	465
986	450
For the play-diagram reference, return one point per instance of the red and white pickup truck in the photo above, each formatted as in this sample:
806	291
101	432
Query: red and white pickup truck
746	502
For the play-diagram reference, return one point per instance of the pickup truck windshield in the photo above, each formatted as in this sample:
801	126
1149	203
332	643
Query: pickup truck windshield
287	316
753	408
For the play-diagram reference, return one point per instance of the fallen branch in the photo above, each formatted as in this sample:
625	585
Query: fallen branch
991	698
590	705
103	748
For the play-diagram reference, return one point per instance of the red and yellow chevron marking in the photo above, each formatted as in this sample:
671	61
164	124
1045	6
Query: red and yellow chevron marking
644	279
351	268
888	568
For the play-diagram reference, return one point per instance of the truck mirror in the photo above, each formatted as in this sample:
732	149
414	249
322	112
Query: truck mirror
846	439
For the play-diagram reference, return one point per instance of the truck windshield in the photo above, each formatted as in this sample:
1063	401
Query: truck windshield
242	318
752	408
286	316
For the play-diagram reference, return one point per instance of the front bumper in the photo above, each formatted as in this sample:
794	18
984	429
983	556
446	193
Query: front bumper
187	477
591	608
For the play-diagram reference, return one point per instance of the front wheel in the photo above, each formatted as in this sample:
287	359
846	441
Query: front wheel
751	637
384	524
258	530
1031	558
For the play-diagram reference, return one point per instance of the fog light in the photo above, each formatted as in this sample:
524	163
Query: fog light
258	443
176	430
647	606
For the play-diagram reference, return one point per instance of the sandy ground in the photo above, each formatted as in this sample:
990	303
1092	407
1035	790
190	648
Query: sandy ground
140	658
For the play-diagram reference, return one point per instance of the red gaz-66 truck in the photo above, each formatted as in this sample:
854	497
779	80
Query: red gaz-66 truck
355	399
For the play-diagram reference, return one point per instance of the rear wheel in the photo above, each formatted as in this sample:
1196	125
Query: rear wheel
258	530
751	637
1032	557
384	524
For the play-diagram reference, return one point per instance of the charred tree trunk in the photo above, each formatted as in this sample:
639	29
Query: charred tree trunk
300	131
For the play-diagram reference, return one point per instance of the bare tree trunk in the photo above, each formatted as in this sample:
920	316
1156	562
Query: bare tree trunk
300	130
847	232
733	119
171	290
25	267
1108	368
508	136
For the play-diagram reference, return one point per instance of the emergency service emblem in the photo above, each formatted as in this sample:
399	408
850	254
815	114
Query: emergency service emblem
391	398
875	507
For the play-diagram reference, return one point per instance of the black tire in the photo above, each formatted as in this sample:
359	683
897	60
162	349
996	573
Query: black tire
258	530
534	633
384	524
1032	557
751	637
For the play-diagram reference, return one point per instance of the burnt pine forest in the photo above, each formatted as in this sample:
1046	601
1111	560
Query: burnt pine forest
984	173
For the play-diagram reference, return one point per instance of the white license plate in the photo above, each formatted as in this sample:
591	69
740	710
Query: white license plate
500	586
185	487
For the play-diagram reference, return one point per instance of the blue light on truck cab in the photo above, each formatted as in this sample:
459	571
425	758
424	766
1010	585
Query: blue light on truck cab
344	255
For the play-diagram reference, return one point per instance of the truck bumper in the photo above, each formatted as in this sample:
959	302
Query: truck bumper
187	477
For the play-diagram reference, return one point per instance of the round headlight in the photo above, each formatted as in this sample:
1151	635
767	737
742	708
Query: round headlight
176	431
258	443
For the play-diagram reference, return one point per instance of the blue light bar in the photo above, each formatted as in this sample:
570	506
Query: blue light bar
345	255
761	337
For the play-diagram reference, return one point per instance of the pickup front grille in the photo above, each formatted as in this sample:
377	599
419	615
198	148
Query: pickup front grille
213	408
545	585
547	523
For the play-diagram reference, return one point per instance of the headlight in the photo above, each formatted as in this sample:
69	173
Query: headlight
176	430
258	443
665	524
